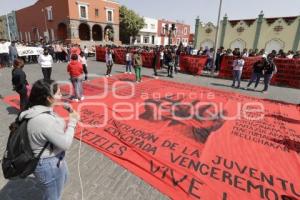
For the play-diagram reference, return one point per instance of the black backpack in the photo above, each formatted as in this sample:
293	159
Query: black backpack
18	160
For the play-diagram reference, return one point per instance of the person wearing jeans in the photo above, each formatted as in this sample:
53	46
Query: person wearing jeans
238	66
257	72
137	64
46	129
109	61
128	61
75	70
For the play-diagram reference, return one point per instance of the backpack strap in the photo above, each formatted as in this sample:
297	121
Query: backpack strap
44	148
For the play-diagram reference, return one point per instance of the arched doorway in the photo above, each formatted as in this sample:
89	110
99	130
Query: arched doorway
274	44
97	33
238	44
84	32
62	33
109	33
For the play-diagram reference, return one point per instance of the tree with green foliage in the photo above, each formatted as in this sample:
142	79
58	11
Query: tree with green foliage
130	24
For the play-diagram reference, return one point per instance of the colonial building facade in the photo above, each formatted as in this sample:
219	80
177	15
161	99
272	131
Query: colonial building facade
261	33
180	35
8	23
84	21
148	35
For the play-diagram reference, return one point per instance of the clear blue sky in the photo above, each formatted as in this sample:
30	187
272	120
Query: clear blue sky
188	10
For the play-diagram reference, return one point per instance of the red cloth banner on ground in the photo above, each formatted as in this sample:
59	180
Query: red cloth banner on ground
191	142
288	73
192	64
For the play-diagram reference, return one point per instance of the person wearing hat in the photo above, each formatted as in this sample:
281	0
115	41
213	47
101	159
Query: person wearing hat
45	60
19	82
257	73
137	64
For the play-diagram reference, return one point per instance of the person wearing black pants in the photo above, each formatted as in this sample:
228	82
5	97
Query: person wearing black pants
19	82
47	73
156	55
46	61
170	59
83	61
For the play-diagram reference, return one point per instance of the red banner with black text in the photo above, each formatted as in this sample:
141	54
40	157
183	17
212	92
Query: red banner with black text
191	142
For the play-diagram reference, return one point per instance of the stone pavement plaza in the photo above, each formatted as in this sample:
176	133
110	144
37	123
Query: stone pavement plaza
102	179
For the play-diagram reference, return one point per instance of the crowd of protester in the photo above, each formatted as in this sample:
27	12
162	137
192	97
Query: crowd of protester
59	51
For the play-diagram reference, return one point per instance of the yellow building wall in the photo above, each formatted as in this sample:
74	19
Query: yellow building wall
204	36
248	35
287	35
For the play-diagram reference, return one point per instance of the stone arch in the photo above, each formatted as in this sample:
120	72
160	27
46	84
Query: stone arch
97	33
238	43
207	44
109	33
274	44
62	31
84	32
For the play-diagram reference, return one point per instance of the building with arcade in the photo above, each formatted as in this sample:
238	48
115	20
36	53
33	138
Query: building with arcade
76	21
260	33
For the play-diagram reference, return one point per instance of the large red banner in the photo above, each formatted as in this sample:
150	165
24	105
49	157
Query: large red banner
192	142
192	64
120	57
226	67
288	73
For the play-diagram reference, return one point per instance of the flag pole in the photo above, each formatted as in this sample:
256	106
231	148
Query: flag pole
217	37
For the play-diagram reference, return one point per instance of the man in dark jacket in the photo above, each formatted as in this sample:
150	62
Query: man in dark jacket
19	82
269	70
257	73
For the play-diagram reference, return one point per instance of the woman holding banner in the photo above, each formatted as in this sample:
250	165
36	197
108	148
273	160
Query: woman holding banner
238	65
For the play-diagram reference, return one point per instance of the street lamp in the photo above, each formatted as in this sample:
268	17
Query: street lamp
170	31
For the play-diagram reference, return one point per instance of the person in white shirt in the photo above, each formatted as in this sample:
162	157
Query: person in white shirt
162	58
46	61
86	52
83	61
238	66
128	61
290	55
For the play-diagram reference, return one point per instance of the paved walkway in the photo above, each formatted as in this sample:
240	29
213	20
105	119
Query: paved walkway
102	179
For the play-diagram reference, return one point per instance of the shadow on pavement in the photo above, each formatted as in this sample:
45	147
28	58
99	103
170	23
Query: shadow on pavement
22	189
12	110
